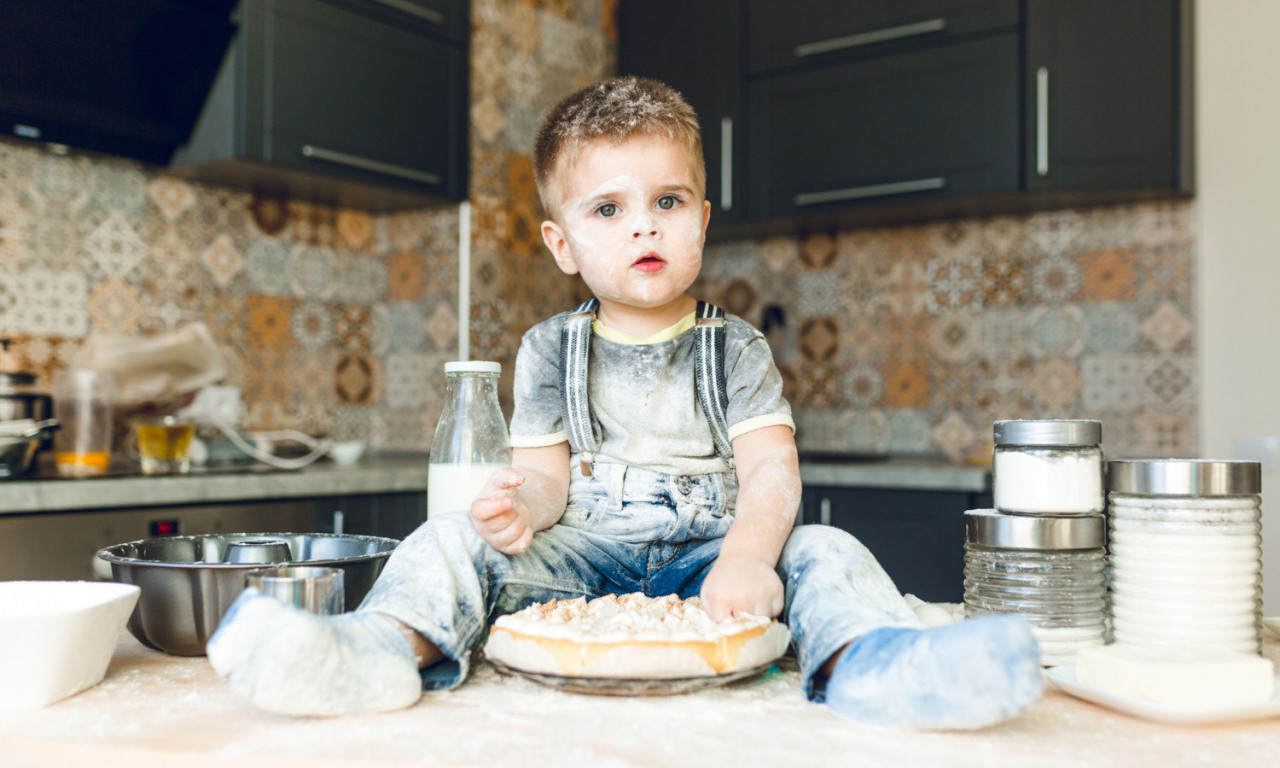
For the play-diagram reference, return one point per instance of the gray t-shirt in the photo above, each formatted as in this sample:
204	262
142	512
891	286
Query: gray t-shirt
643	396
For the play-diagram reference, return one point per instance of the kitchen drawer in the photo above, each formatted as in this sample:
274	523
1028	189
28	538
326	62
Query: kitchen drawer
448	18
805	33
942	122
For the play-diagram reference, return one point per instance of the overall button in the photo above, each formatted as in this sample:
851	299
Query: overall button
683	484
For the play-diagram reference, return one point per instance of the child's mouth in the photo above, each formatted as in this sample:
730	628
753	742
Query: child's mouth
649	263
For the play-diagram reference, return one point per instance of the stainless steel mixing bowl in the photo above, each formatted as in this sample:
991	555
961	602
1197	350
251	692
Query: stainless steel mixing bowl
187	586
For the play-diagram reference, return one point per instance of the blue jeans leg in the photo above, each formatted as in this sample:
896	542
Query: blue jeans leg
445	582
836	593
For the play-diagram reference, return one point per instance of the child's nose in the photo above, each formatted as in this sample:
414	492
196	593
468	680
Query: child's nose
644	225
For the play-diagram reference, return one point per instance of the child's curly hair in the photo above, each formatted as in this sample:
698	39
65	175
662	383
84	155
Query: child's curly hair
617	109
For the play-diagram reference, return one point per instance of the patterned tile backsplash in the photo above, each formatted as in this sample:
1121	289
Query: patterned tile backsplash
906	339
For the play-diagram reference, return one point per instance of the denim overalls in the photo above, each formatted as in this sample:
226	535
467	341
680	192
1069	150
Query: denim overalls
626	529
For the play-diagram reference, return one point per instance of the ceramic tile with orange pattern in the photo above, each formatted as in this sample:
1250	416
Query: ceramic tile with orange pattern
1055	384
357	379
906	384
268	322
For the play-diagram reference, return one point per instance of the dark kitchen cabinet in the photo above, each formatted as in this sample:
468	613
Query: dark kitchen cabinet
853	113
1107	94
359	103
918	124
394	515
820	32
916	535
695	47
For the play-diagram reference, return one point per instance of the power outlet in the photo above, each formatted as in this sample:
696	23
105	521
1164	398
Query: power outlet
1262	449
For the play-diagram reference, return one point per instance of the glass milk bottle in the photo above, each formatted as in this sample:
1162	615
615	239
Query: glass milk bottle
471	440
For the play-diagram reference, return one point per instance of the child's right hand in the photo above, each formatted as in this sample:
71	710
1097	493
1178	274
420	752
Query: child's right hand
500	517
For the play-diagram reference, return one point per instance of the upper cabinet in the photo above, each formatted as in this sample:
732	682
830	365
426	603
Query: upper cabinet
830	112
698	52
1107	89
358	103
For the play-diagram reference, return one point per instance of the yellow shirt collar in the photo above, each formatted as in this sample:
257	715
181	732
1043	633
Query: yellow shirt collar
666	334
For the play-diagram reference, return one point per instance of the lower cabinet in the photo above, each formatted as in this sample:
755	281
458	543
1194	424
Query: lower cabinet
918	536
394	515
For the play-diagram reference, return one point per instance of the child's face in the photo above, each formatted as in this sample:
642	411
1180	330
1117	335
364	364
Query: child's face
632	221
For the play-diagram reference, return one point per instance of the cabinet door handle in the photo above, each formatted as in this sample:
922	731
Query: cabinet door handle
726	163
824	512
365	164
413	9
870	38
872	190
1042	121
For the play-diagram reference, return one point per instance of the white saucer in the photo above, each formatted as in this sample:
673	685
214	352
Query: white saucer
1064	678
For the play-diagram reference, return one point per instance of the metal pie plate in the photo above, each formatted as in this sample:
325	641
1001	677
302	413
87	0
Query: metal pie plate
627	686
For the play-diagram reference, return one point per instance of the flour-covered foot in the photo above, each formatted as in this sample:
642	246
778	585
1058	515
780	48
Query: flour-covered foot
289	661
961	676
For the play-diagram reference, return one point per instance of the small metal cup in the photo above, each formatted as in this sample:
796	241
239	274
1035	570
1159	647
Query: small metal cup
310	587
257	551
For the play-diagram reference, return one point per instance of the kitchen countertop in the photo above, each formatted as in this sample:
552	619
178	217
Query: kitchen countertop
401	472
154	709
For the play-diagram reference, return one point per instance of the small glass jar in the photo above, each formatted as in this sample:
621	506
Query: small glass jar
1186	553
1049	569
1048	467
471	440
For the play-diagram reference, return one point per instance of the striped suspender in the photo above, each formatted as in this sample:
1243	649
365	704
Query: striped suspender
709	375
709	378
575	343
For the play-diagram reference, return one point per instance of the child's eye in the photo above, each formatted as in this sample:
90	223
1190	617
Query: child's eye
667	202
607	210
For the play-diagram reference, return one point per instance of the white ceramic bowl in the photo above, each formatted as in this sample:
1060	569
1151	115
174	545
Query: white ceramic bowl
57	637
348	452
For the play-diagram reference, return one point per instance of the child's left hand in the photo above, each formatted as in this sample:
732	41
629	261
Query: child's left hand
742	584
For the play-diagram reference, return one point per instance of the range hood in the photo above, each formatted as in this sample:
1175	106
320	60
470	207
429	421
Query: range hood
121	77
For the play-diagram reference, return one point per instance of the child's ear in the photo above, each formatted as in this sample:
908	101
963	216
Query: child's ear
706	218
558	244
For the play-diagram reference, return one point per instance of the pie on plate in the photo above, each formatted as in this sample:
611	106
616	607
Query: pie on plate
633	637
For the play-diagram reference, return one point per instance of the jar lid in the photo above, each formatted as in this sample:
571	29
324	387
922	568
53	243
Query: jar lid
473	366
1066	432
1185	477
993	528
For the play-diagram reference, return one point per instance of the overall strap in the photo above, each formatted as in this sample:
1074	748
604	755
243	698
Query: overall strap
709	378
709	375
575	344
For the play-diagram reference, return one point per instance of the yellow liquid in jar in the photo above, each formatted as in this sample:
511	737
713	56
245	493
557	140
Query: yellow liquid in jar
165	442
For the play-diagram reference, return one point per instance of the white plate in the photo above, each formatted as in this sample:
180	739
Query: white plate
1064	678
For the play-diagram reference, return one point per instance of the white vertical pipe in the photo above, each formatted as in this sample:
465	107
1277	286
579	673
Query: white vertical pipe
464	280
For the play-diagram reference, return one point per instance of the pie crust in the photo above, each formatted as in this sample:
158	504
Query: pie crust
633	637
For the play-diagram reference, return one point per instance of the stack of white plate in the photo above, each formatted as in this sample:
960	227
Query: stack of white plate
1185	554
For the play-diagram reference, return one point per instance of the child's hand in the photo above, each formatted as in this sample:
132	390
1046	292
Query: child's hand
499	516
742	584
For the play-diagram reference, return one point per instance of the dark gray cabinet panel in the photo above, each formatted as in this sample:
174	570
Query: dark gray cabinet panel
695	47
359	103
917	536
395	515
819	32
1105	108
934	123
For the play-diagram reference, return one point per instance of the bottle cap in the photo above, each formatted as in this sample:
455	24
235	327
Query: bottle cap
473	366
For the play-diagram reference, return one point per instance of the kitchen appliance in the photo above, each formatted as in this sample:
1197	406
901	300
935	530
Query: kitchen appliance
19	441
128	77
188	584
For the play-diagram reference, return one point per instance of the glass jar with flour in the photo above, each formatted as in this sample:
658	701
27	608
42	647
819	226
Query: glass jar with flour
471	440
1048	467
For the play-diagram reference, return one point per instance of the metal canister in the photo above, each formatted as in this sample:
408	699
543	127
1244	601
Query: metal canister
1186	553
1048	467
1049	569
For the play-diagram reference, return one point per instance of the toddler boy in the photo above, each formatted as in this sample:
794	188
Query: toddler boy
652	452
